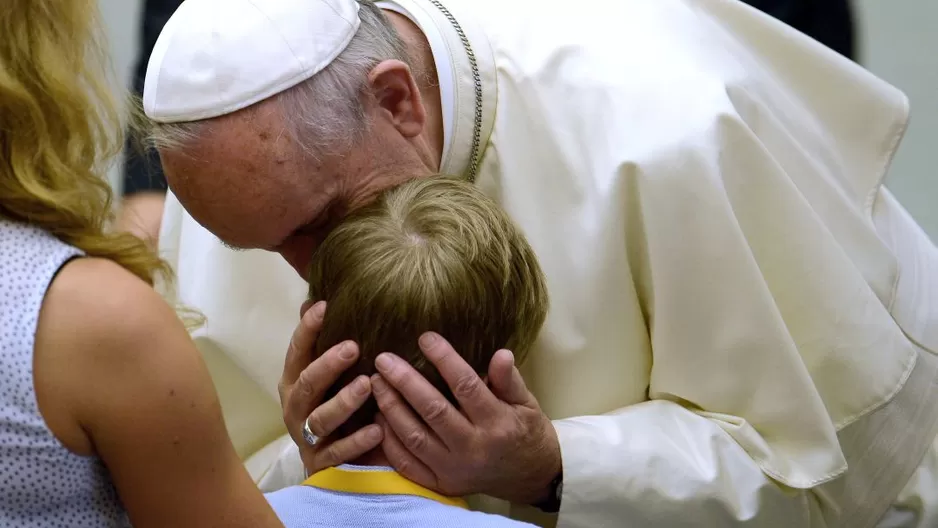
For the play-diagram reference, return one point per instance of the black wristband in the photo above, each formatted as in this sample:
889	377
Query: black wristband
552	503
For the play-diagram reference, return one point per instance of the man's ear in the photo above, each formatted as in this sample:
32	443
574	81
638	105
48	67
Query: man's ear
397	97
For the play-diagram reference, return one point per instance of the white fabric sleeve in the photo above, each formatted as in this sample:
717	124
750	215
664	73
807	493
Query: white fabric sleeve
657	464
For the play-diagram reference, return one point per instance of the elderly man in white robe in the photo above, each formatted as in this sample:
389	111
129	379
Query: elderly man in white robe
744	320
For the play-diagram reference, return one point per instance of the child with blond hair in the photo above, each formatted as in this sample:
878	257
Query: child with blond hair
432	255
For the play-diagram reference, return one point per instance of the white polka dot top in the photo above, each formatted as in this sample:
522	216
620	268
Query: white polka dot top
42	484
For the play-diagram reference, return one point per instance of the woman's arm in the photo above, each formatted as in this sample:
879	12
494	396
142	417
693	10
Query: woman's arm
117	375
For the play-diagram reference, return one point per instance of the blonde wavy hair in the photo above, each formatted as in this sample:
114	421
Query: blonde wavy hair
59	126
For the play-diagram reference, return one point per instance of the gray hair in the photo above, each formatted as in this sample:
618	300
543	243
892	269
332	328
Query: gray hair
324	114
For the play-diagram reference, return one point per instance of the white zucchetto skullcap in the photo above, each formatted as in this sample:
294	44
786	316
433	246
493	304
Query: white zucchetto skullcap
215	57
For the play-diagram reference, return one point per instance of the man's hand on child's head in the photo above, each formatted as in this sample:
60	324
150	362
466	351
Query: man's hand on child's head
302	389
498	442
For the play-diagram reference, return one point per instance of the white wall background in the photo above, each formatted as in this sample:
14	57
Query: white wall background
122	19
898	42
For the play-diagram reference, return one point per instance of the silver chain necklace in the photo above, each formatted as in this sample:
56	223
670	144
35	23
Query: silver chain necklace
477	80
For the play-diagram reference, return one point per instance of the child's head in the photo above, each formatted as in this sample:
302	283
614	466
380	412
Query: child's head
431	255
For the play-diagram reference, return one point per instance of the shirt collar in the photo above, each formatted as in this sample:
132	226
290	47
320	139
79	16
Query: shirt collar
441	60
375	480
466	66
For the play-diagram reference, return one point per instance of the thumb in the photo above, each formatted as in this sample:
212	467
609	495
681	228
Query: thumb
307	304
506	381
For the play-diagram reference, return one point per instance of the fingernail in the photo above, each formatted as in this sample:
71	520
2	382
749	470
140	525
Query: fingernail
427	339
384	362
319	309
361	387
377	384
503	353
347	353
374	433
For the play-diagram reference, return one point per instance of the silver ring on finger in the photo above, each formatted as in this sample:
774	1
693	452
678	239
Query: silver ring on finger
308	435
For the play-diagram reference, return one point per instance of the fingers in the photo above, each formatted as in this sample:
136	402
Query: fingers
349	448
402	460
313	382
437	412
414	435
307	304
475	399
330	415
506	381
300	351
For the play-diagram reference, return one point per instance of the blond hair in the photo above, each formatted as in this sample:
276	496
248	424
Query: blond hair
59	126
430	255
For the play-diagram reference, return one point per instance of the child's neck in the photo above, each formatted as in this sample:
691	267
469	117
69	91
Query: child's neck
375	457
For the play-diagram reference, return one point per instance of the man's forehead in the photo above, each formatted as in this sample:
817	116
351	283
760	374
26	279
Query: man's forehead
247	140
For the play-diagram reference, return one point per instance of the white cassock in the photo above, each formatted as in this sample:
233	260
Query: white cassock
743	322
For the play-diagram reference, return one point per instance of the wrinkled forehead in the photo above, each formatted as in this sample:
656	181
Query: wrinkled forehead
242	178
256	122
248	142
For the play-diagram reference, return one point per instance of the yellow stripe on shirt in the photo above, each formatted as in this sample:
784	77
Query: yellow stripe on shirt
376	483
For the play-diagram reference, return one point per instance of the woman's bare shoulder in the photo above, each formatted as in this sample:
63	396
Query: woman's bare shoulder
100	327
95	303
121	367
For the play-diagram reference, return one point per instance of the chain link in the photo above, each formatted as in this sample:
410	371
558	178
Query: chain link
477	81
